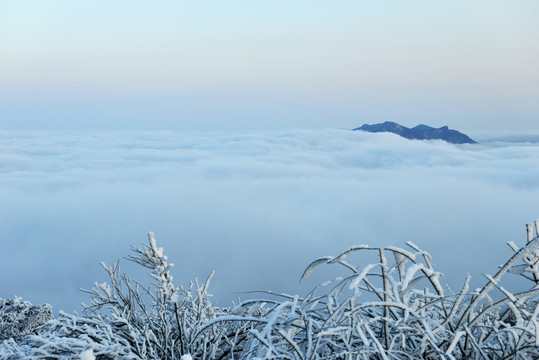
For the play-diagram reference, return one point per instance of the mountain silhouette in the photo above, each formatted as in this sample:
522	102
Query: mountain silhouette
420	132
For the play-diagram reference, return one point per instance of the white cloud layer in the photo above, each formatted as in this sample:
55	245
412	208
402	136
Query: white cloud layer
256	207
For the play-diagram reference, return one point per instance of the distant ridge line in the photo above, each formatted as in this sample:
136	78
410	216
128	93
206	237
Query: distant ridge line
420	132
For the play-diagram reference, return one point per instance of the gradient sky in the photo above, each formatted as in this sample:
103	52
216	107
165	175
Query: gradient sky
279	182
236	65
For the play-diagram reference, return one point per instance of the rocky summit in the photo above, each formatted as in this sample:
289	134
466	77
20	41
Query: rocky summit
420	132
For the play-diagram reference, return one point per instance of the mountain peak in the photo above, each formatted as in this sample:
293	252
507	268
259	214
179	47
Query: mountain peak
420	132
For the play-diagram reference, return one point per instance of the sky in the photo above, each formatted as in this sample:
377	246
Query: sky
225	128
255	65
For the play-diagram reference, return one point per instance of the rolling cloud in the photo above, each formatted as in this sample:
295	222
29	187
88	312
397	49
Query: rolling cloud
256	207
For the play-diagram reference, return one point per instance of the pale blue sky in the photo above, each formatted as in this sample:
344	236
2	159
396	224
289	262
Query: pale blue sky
229	65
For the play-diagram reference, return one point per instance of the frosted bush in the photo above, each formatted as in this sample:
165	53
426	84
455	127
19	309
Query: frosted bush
19	318
393	308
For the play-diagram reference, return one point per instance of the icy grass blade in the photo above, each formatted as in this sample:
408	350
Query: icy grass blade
309	270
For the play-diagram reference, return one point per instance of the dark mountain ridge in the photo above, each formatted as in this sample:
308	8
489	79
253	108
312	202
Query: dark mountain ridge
420	132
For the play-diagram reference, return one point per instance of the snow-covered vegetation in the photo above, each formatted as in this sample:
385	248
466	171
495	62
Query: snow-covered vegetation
396	307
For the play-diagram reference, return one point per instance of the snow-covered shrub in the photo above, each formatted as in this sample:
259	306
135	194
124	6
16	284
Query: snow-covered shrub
407	316
19	318
126	320
76	337
159	320
394	308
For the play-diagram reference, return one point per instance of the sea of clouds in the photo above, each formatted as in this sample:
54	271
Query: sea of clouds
256	207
